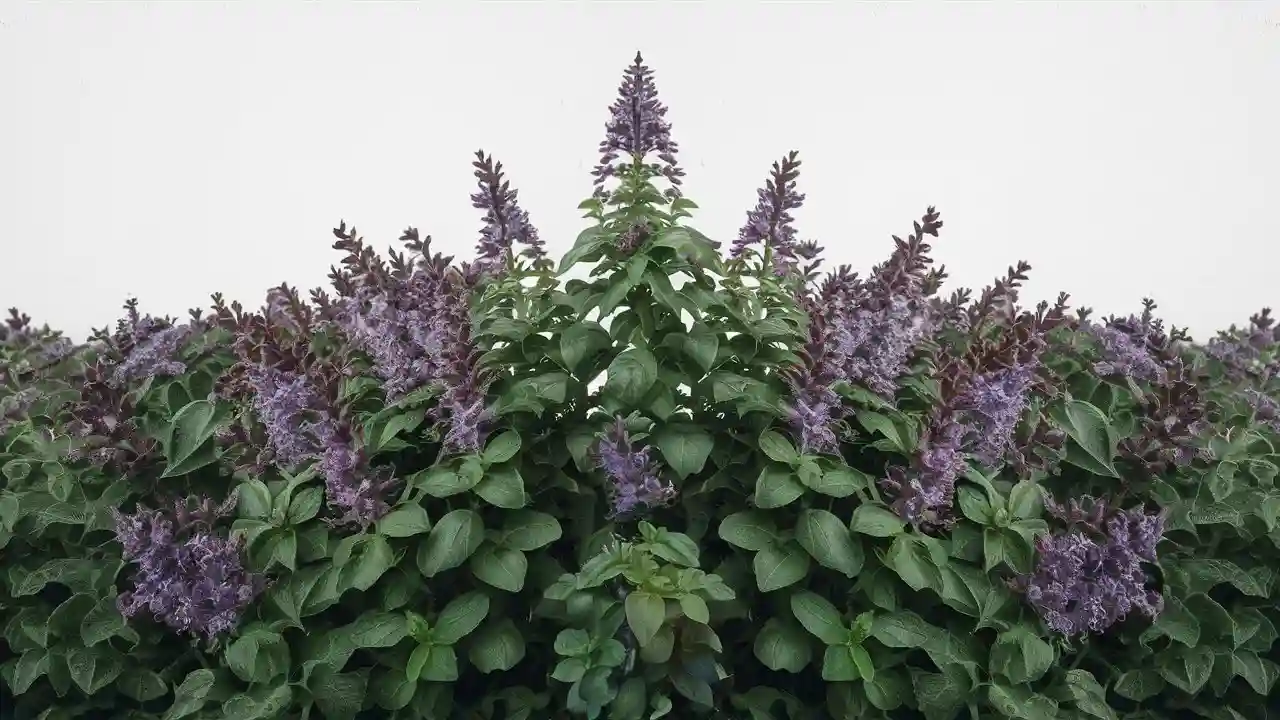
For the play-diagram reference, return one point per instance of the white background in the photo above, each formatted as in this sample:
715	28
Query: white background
168	150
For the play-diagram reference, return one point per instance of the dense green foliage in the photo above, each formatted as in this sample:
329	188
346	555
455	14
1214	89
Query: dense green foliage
751	569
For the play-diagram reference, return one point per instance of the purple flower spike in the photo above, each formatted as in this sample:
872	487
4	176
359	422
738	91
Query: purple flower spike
637	127
153	347
636	479
994	403
187	577
1089	578
505	223
769	224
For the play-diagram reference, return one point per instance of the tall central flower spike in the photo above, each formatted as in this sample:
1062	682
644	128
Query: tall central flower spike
769	225
505	222
637	127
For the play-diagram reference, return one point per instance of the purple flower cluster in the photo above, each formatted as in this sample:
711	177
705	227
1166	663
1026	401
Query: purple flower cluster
1265	409
1090	577
301	427
636	479
637	127
1249	352
925	493
414	322
993	404
150	348
878	342
505	222
187	577
769	224
814	406
1125	352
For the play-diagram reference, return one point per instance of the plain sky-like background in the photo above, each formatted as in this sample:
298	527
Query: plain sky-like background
170	150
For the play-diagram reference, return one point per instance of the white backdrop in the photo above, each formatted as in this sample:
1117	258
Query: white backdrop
168	150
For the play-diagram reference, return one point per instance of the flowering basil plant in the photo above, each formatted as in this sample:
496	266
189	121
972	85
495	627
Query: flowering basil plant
697	480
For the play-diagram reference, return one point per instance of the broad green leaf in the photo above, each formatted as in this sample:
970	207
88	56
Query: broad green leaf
338	695
1021	656
377	630
839	481
497	646
631	374
702	345
902	629
441	482
876	521
462	615
453	539
749	530
304	505
782	646
838	664
529	530
582	341
405	521
778	448
501	448
364	569
1139	685
502	487
684	446
819	617
189	443
1092	443
645	615
1089	697
93	668
828	541
1187	669
777	487
501	567
777	567
189	696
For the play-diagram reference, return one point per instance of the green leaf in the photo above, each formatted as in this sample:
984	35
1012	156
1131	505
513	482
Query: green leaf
876	521
838	664
405	521
1021	656
1187	669
141	684
878	422
749	530
253	499
862	660
398	422
305	505
417	661
1025	500
1139	685
497	646
189	696
590	242
500	567
702	345
1021	703
840	481
502	487
777	567
695	608
441	665
441	482
461	616
377	630
1260	673
529	530
501	448
30	666
1093	442
582	341
363	570
819	617
828	541
974	504
684	446
1089	697
910	558
94	668
572	642
101	623
631	374
777	487
902	629
778	448
782	646
1177	622
454	539
645	615
189	444
339	696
